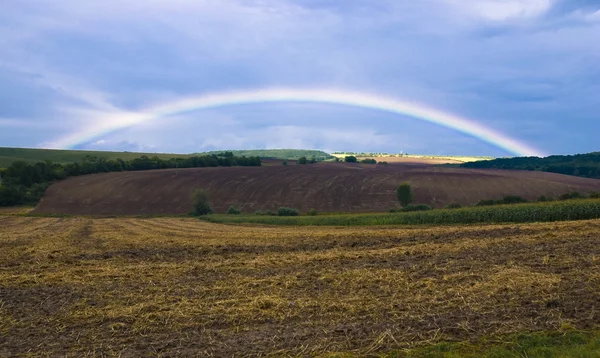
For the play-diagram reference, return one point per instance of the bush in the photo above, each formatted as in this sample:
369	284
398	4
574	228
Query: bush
383	163
543	199
11	195
35	193
201	205
594	195
418	207
312	212
572	195
404	194
284	163
512	199
350	159
264	213
488	202
393	210
302	160
368	161
453	206
287	212
233	210
509	199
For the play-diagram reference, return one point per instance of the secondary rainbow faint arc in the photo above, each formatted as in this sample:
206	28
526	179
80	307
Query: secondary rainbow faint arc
114	122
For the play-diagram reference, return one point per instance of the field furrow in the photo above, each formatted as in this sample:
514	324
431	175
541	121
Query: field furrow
182	287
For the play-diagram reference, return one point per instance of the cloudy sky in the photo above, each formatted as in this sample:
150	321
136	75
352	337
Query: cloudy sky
528	69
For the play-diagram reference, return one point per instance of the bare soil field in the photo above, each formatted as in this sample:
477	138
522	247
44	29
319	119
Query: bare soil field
180	287
327	187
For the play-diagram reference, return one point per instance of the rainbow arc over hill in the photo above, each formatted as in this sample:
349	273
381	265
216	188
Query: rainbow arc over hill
115	121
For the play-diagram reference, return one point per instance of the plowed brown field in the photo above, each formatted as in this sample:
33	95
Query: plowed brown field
171	287
325	187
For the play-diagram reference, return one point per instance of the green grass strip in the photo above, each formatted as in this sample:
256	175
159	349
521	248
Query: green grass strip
516	213
535	345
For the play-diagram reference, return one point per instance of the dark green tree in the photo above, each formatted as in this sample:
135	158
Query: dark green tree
283	211
302	160
404	194
350	159
201	205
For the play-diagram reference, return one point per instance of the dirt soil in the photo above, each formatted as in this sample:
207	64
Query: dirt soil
326	187
173	287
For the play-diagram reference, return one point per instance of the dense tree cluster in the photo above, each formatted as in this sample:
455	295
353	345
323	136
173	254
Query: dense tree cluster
304	160
24	183
582	165
289	154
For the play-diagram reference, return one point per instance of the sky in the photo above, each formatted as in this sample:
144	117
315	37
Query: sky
528	69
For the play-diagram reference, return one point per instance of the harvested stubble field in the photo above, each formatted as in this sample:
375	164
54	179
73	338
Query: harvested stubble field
181	287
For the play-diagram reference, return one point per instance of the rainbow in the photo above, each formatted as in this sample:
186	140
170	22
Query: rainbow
111	122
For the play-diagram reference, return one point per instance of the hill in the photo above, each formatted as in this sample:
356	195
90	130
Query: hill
583	165
32	156
327	187
292	154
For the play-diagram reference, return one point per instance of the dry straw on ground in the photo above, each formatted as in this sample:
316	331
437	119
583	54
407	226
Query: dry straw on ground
181	287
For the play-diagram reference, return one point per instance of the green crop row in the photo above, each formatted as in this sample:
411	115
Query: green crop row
520	213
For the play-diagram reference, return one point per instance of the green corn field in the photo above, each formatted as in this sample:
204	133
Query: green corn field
516	213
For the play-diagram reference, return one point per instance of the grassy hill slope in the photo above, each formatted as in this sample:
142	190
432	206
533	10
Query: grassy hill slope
30	155
292	154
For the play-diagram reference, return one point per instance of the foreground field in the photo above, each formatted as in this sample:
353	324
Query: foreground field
182	287
327	187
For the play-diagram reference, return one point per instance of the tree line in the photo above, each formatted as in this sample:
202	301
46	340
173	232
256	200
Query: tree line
581	165
23	183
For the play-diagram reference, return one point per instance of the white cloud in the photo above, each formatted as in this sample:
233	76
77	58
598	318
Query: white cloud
13	123
501	10
593	17
295	136
23	123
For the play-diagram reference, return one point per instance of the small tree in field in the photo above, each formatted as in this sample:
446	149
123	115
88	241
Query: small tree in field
233	210
404	194
201	205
